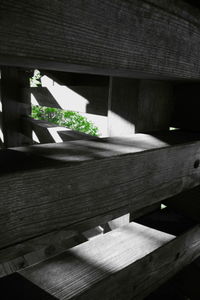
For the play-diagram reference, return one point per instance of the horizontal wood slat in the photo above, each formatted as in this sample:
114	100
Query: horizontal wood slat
47	187
127	263
47	132
86	99
102	37
11	257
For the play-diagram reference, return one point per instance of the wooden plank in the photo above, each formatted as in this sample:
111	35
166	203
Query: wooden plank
123	101
154	106
122	112
86	99
138	106
37	181
12	105
107	43
110	266
48	244
33	251
47	132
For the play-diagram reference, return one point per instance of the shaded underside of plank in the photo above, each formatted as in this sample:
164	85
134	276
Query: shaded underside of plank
47	187
102	37
111	265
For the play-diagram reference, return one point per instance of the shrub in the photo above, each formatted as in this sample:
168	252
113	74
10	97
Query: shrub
66	118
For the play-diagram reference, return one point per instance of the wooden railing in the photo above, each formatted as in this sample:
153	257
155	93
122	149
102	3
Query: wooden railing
84	214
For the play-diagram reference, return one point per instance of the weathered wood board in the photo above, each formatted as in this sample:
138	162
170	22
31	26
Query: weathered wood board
158	39
13	105
126	263
47	187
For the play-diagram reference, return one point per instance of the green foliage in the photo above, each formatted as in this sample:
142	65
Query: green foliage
66	118
36	79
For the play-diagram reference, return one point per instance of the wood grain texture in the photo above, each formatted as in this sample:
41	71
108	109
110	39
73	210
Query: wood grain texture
28	252
18	257
127	263
102	37
47	187
86	99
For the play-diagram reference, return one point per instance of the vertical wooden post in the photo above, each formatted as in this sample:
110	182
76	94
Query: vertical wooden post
13	106
138	106
154	106
122	106
122	118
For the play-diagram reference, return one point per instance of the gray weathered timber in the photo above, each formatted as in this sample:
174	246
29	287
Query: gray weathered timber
122	109
47	187
18	256
127	263
155	105
122	106
13	105
158	39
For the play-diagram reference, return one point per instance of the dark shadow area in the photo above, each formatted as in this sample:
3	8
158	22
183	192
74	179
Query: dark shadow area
186	106
183	286
168	221
16	287
68	78
44	97
15	161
